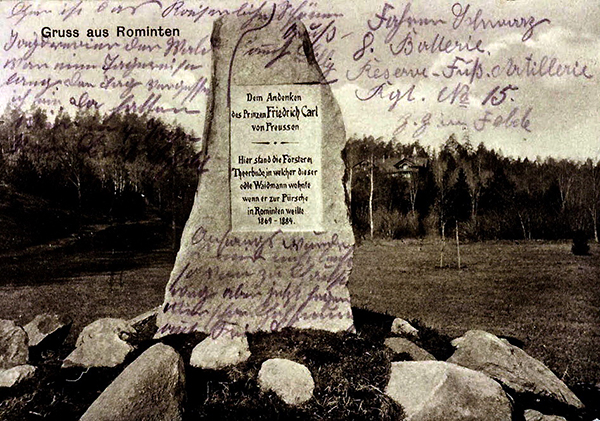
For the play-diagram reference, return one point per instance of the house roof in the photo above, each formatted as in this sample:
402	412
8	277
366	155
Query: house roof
410	163
395	166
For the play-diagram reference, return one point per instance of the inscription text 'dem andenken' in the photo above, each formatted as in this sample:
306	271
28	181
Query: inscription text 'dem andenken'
276	158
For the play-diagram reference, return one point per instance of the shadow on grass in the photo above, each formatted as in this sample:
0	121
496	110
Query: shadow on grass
113	248
432	341
52	266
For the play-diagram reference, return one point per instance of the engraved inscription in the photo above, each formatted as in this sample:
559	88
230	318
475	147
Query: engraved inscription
275	178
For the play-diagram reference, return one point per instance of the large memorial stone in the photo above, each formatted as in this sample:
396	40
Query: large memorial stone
268	244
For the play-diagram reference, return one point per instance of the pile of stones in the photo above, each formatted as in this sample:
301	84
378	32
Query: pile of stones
486	377
19	345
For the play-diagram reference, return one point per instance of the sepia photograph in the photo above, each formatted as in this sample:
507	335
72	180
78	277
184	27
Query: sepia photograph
299	210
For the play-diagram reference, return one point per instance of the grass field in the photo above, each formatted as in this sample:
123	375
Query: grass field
83	286
536	292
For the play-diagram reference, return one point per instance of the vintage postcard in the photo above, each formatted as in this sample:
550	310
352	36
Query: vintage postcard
295	209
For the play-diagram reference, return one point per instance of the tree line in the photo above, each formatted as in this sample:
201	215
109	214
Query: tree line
100	168
480	191
124	167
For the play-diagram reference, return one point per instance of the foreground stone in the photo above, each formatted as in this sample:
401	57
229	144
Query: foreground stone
436	390
260	259
152	388
13	376
291	381
511	366
14	349
221	352
401	345
101	344
46	327
403	328
533	415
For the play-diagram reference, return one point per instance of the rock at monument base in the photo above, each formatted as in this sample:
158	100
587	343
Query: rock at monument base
291	381
46	328
14	349
221	352
152	388
533	415
101	344
511	366
403	328
13	376
436	390
401	345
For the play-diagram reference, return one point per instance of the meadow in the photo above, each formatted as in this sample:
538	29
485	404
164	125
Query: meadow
538	293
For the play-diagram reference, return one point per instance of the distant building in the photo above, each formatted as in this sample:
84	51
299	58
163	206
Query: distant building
406	167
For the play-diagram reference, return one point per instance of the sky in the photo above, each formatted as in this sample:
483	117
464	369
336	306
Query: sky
355	43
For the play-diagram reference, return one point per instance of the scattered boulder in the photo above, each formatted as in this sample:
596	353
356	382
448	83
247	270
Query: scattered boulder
15	375
403	328
150	388
101	344
401	345
14	349
511	366
220	352
533	415
291	381
436	390
46	328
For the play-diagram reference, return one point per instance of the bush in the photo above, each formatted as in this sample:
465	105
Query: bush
580	245
395	224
